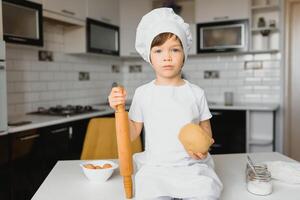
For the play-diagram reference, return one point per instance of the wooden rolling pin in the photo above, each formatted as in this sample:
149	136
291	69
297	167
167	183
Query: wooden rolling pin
124	147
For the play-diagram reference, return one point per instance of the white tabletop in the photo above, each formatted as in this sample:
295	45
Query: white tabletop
66	181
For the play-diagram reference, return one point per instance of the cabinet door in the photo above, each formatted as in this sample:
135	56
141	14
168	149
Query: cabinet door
74	8
56	143
131	12
104	10
229	131
220	10
79	129
261	131
27	168
4	168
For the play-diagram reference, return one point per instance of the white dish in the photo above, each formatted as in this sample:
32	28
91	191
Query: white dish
100	175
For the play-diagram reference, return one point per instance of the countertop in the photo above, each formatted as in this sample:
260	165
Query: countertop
38	121
67	181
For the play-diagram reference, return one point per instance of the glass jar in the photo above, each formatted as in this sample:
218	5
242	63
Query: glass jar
259	183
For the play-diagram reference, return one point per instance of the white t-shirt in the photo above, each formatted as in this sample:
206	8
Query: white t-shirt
164	110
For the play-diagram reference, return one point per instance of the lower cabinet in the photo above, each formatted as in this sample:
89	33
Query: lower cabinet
27	167
31	155
4	168
229	131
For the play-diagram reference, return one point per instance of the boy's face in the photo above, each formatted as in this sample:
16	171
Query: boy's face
167	59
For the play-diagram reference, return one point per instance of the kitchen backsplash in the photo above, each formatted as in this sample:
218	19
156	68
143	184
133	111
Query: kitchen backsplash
249	85
33	83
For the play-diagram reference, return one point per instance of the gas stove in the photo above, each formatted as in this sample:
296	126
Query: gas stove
68	110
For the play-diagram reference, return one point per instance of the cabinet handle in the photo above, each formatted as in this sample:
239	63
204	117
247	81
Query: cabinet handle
216	113
2	67
70	133
105	19
17	39
29	137
221	18
217	145
67	12
59	130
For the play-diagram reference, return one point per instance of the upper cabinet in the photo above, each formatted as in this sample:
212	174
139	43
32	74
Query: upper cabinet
36	1
131	12
65	10
220	10
1	22
104	10
264	25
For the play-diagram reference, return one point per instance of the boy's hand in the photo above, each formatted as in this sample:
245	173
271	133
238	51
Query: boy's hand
116	97
197	156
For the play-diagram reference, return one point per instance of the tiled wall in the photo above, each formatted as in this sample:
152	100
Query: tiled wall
248	85
33	83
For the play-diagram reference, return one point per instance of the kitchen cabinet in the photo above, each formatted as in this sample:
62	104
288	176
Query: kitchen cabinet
27	166
104	10
219	10
34	153
56	141
73	12
79	129
229	131
131	12
4	167
36	1
264	29
260	131
1	22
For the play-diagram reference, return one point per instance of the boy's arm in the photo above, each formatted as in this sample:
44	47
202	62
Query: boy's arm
206	126
135	129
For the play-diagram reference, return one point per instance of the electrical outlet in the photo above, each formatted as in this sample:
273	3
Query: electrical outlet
135	68
253	65
115	68
84	76
45	55
213	74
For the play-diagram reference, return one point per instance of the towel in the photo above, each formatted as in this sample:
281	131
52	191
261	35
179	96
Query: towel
101	142
288	172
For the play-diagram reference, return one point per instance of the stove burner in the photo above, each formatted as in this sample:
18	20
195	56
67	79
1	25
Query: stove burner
68	110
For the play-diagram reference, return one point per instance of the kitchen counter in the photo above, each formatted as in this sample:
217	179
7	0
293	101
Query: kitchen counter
256	107
67	181
38	121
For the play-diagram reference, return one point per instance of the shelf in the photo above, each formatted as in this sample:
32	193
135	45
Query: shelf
261	142
264	29
265	8
263	51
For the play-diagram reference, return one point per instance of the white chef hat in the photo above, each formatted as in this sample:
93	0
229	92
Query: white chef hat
158	21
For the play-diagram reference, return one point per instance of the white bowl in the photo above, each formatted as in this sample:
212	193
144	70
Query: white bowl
100	175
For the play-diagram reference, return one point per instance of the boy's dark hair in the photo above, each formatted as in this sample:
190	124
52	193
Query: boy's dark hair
161	38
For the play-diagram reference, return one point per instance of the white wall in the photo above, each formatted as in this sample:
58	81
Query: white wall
32	83
249	86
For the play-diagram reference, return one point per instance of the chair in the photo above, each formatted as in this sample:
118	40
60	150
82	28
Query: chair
100	140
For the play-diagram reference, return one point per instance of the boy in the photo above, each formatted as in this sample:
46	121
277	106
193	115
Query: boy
163	106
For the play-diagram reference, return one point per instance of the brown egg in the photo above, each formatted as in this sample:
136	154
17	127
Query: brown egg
98	167
89	166
107	165
194	138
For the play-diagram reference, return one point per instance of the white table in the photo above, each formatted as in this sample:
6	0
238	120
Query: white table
67	182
